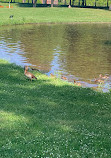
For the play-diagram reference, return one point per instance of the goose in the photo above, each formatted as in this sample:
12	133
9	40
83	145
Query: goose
28	74
52	75
98	80
103	77
64	78
77	83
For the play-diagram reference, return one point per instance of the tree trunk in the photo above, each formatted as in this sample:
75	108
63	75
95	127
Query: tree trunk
79	2
64	1
85	3
95	3
23	1
107	3
34	3
82	2
52	1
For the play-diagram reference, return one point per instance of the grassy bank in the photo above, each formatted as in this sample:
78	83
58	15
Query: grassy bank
51	118
23	15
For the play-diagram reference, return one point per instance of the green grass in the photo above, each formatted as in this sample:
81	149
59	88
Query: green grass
51	118
23	15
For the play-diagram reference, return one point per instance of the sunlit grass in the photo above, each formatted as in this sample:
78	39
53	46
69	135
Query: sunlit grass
51	118
23	15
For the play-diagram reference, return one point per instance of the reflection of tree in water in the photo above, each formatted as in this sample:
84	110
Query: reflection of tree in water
37	40
42	46
84	51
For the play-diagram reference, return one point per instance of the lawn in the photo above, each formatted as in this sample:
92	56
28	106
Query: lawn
51	118
23	15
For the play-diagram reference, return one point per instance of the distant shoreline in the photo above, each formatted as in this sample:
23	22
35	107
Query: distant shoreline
56	15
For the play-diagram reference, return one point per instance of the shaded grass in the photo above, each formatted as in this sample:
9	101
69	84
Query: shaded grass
51	15
51	118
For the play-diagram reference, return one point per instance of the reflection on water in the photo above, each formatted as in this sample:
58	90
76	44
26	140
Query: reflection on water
77	51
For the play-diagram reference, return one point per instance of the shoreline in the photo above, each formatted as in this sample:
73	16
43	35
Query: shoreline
50	114
41	16
56	23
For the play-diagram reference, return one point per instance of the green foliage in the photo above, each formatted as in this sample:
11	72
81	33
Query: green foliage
51	118
90	3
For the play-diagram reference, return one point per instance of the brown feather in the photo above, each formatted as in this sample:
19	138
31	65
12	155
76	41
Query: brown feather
29	74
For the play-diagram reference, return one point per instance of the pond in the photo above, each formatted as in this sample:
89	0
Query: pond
80	52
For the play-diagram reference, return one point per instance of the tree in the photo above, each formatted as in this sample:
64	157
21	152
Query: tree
52	2
82	2
34	3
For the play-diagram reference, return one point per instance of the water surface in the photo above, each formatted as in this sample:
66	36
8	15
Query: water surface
79	52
